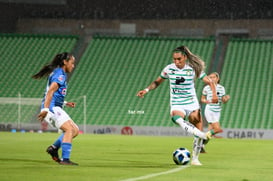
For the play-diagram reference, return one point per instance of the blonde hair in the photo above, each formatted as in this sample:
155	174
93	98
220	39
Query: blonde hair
195	61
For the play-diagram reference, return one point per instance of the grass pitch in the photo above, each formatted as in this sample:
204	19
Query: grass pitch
130	158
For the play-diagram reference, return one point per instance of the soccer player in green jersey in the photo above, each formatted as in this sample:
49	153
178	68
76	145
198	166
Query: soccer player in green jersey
213	110
186	67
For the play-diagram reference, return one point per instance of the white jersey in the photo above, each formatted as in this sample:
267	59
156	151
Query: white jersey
182	89
220	90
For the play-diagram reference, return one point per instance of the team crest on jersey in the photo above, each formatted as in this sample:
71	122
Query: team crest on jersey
189	72
61	78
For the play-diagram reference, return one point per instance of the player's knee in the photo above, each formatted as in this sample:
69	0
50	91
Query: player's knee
194	119
75	131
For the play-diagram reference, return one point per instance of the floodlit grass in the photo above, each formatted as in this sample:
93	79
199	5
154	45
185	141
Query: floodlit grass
117	157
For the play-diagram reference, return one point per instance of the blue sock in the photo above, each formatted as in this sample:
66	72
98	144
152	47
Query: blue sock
66	150
58	142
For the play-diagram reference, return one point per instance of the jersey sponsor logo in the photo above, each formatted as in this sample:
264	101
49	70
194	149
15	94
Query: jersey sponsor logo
179	80
179	91
64	91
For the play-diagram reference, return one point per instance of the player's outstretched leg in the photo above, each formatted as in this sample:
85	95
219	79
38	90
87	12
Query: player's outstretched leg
188	127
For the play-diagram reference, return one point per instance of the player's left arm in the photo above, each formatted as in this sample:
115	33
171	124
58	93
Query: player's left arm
208	81
225	98
69	104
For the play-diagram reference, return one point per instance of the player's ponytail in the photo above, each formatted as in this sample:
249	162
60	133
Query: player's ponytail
194	61
56	62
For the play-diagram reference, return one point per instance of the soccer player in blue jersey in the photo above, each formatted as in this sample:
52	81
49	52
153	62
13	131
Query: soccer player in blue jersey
52	105
186	67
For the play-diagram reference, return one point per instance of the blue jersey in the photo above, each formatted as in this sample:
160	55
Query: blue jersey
60	77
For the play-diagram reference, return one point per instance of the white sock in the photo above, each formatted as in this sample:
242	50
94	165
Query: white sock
188	127
197	145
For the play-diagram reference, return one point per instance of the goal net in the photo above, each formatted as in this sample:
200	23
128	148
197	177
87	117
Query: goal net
21	113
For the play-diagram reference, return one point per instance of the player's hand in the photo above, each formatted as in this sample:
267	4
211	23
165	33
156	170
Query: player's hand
71	104
225	98
141	93
42	115
214	99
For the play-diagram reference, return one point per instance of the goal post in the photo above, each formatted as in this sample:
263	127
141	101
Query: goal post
20	113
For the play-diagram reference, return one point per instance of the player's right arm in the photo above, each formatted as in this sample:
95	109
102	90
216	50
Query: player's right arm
52	88
152	86
204	100
212	85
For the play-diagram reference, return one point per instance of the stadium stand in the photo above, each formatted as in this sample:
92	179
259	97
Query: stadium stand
25	54
21	57
113	69
247	75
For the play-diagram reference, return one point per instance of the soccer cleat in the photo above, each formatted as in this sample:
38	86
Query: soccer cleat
208	135
68	162
196	162
54	153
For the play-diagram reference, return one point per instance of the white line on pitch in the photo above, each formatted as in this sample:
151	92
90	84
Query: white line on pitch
156	174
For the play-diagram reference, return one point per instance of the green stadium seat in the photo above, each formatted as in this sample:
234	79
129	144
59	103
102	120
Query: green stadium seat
247	75
21	57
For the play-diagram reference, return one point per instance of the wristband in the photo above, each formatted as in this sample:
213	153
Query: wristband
147	90
45	109
65	102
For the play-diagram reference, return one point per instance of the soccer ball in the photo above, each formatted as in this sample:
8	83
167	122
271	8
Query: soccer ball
181	156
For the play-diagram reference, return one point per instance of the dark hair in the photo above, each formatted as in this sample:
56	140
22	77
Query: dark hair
194	61
180	49
56	62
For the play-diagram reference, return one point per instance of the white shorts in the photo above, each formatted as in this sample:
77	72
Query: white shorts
57	118
212	117
186	109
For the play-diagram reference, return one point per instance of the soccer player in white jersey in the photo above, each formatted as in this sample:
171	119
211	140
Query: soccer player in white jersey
52	105
213	110
186	67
